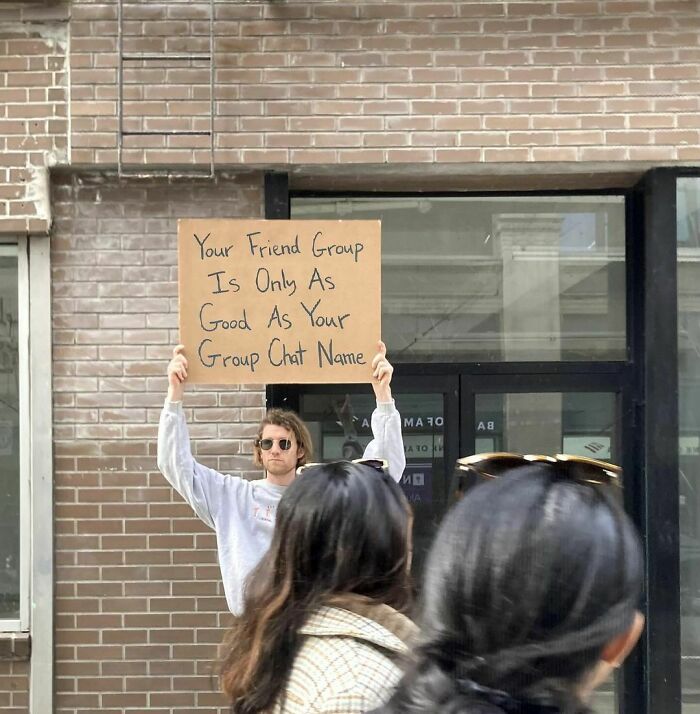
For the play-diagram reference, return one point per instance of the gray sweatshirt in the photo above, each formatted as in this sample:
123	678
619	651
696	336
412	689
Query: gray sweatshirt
242	512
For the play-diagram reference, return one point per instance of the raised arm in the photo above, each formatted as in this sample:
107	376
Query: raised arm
199	485
177	374
387	442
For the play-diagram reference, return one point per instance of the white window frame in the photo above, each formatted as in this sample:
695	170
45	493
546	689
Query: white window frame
18	249
36	464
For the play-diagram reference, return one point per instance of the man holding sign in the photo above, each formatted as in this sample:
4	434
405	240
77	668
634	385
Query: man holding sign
242	512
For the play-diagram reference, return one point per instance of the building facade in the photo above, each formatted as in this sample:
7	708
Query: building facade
536	166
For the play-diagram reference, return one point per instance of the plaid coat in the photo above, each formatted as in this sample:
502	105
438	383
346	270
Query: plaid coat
347	661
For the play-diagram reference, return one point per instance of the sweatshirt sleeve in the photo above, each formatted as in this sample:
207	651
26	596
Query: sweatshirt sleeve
387	442
199	485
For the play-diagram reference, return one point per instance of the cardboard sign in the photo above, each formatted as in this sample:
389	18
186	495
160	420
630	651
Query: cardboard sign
279	301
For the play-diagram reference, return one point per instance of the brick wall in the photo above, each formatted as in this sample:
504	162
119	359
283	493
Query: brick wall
139	606
14	687
33	110
323	83
374	82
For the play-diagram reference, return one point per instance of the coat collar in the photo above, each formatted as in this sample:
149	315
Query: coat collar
363	619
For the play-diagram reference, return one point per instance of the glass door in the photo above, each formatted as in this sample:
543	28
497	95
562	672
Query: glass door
339	419
524	408
545	414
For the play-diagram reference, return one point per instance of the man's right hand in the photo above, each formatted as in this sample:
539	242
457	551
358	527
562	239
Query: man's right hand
177	374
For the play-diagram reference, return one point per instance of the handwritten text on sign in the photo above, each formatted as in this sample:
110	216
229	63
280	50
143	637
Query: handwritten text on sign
279	301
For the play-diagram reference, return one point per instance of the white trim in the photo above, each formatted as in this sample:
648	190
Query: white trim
25	533
17	249
42	580
10	626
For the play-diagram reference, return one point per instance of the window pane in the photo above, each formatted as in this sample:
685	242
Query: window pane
688	218
577	423
340	429
496	279
9	437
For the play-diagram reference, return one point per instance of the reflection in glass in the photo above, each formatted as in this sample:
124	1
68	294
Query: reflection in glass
9	436
340	428
688	219
496	278
576	423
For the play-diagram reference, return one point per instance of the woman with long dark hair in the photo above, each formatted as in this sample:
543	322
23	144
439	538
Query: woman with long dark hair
530	593
322	626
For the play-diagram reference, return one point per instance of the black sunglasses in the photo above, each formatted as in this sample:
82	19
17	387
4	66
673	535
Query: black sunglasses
266	444
380	465
580	469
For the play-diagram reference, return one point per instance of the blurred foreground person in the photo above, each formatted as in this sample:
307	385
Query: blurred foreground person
321	627
530	592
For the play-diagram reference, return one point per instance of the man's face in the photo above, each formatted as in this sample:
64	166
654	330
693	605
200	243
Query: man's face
276	461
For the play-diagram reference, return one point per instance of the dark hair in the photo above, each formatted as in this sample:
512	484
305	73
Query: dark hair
292	422
341	528
529	577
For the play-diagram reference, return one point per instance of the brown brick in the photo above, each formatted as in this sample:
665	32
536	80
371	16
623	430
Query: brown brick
538	138
483	138
554	154
652	153
688	153
460	155
603	153
509	154
580	138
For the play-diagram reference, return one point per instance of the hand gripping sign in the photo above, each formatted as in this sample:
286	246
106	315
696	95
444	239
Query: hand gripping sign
279	301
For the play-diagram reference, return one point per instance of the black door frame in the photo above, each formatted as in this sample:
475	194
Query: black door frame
648	381
653	310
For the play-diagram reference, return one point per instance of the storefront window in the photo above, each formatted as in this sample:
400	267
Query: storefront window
688	220
579	423
514	278
9	437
